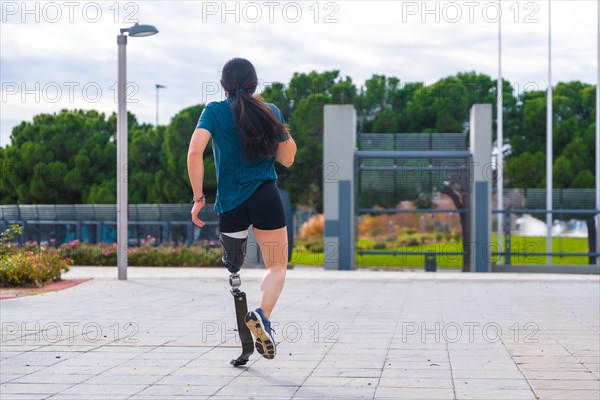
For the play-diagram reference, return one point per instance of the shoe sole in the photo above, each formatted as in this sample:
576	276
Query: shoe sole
263	343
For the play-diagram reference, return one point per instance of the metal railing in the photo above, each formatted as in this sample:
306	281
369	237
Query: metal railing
507	253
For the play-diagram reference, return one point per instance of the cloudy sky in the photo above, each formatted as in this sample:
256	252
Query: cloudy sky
57	55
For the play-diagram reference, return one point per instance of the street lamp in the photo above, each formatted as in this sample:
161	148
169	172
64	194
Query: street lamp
122	205
158	86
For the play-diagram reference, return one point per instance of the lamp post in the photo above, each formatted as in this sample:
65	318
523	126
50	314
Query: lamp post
122	205
158	86
500	146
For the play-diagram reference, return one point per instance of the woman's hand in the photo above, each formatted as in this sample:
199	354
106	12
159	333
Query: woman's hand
198	206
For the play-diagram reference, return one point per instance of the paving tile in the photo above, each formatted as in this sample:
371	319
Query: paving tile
417	382
8	354
61	369
565	384
194	380
32	388
495	394
139	370
271	371
348	373
426	365
313	398
96	396
328	392
414	393
417	373
546	394
256	391
512	373
102	390
29	396
117	379
179	390
166	397
267	381
37	358
559	375
467	385
41	377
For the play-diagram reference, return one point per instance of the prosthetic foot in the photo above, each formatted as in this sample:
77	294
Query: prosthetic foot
234	252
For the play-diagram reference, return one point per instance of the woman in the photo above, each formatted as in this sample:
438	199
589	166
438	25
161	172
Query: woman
248	137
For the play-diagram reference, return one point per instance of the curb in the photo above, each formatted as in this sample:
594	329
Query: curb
28	291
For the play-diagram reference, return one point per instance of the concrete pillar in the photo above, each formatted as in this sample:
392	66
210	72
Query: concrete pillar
339	145
481	194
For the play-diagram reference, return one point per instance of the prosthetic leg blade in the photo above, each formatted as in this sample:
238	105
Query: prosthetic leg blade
234	252
241	309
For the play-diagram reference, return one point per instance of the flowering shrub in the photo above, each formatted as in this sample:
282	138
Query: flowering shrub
105	254
30	265
310	236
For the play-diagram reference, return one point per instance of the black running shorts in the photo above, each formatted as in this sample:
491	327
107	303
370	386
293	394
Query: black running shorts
263	210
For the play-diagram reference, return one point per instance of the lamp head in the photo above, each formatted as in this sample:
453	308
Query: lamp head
138	30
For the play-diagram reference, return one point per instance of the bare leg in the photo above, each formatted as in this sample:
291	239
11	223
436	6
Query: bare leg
274	248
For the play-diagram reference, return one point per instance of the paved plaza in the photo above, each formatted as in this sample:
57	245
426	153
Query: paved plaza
169	333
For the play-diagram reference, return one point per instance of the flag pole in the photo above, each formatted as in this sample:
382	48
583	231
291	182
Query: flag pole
549	216
499	143
598	141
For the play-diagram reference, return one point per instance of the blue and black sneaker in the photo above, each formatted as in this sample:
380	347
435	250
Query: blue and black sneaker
260	327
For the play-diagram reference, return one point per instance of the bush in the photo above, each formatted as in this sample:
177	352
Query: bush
312	228
28	268
412	241
7	235
29	265
379	246
316	246
105	254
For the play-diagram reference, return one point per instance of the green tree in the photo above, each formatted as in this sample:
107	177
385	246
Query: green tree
57	158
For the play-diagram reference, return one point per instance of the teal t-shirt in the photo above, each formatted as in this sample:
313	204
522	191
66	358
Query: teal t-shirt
237	178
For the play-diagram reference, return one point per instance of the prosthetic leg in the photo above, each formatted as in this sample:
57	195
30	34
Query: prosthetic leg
234	252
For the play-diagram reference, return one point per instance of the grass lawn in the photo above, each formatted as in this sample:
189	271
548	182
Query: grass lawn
529	245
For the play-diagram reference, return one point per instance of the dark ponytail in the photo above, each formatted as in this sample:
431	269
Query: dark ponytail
259	126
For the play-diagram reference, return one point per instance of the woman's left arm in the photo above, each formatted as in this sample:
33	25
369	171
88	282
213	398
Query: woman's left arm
195	165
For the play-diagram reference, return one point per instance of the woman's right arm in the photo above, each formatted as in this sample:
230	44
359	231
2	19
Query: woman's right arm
286	152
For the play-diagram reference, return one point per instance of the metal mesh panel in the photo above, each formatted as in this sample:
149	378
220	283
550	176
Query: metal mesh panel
102	212
413	178
573	199
64	212
10	212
